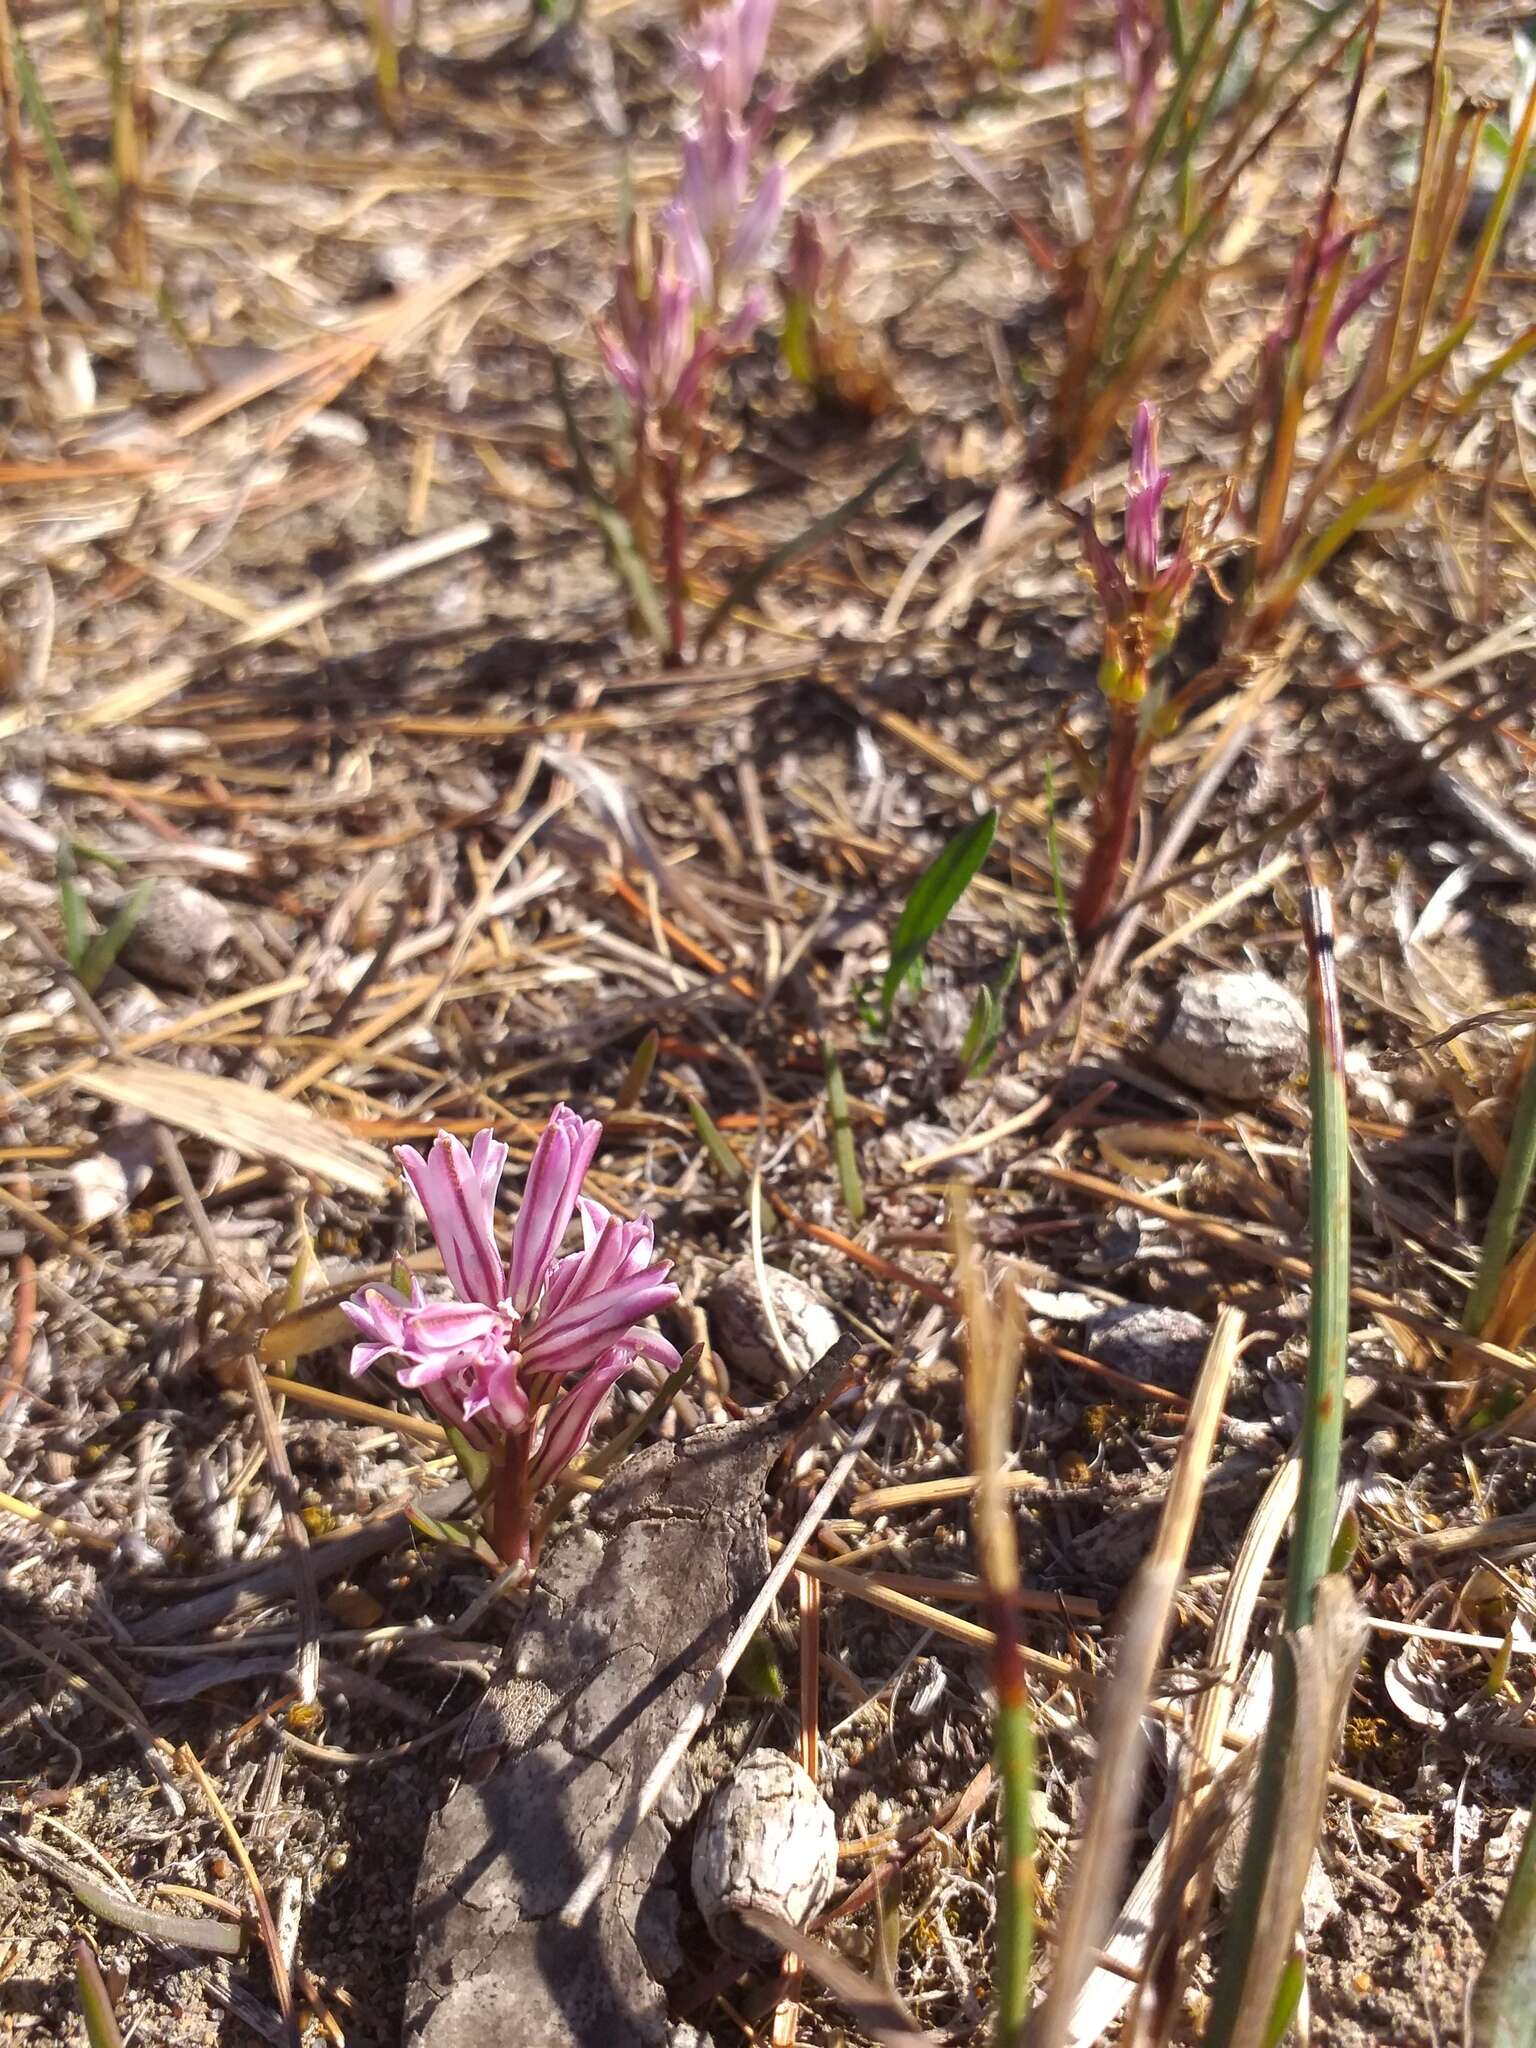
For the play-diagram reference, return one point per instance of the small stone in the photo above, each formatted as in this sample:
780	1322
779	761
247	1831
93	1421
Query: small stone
767	1840
743	1336
1163	1346
182	937
1233	1034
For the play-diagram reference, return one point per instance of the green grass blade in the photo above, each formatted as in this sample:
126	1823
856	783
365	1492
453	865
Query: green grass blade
101	2028
842	1134
989	1020
42	120
100	955
722	1158
1508	1202
745	586
618	535
1269	1839
938	889
641	1067
1504	2000
1323	1415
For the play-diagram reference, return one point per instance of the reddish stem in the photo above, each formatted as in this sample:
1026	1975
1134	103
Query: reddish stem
1114	819
512	1509
674	534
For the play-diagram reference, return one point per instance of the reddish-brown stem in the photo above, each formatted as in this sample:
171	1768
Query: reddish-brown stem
1114	817
674	532
512	1509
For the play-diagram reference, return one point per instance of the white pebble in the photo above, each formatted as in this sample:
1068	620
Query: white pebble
767	1840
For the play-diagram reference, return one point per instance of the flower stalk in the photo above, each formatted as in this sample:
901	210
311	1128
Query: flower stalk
1143	595
685	296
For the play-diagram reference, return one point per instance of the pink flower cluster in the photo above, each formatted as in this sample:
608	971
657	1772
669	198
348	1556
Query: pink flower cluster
522	1359
1143	594
673	316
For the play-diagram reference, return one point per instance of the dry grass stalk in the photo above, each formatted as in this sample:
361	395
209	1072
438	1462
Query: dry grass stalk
1099	1865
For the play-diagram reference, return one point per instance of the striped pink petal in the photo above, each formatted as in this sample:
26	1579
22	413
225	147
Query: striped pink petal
566	1148
457	1192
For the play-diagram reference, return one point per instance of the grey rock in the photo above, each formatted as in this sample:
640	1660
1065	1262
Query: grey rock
1163	1346
182	938
1233	1034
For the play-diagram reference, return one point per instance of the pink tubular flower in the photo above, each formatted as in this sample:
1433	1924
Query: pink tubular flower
1139	39
1142	595
531	1346
1144	499
654	351
724	51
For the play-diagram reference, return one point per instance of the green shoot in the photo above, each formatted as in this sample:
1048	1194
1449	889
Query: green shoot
1323	1414
989	1020
1316	1657
1508	1202
641	1067
936	892
1504	1998
92	955
36	103
842	1134
101	2028
721	1157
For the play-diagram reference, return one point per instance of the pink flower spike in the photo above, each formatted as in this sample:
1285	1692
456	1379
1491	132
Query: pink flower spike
457	1191
566	1148
758	225
1143	500
570	1420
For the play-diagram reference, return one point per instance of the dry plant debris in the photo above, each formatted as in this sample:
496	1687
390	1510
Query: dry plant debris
304	621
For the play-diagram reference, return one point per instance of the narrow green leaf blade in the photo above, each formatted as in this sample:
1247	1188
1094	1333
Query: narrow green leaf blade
101	2028
938	889
1504	2000
103	950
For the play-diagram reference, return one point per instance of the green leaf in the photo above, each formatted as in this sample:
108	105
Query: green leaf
97	960
101	2028
42	119
1287	1998
453	1535
989	1020
939	888
474	1463
759	1673
72	910
618	535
